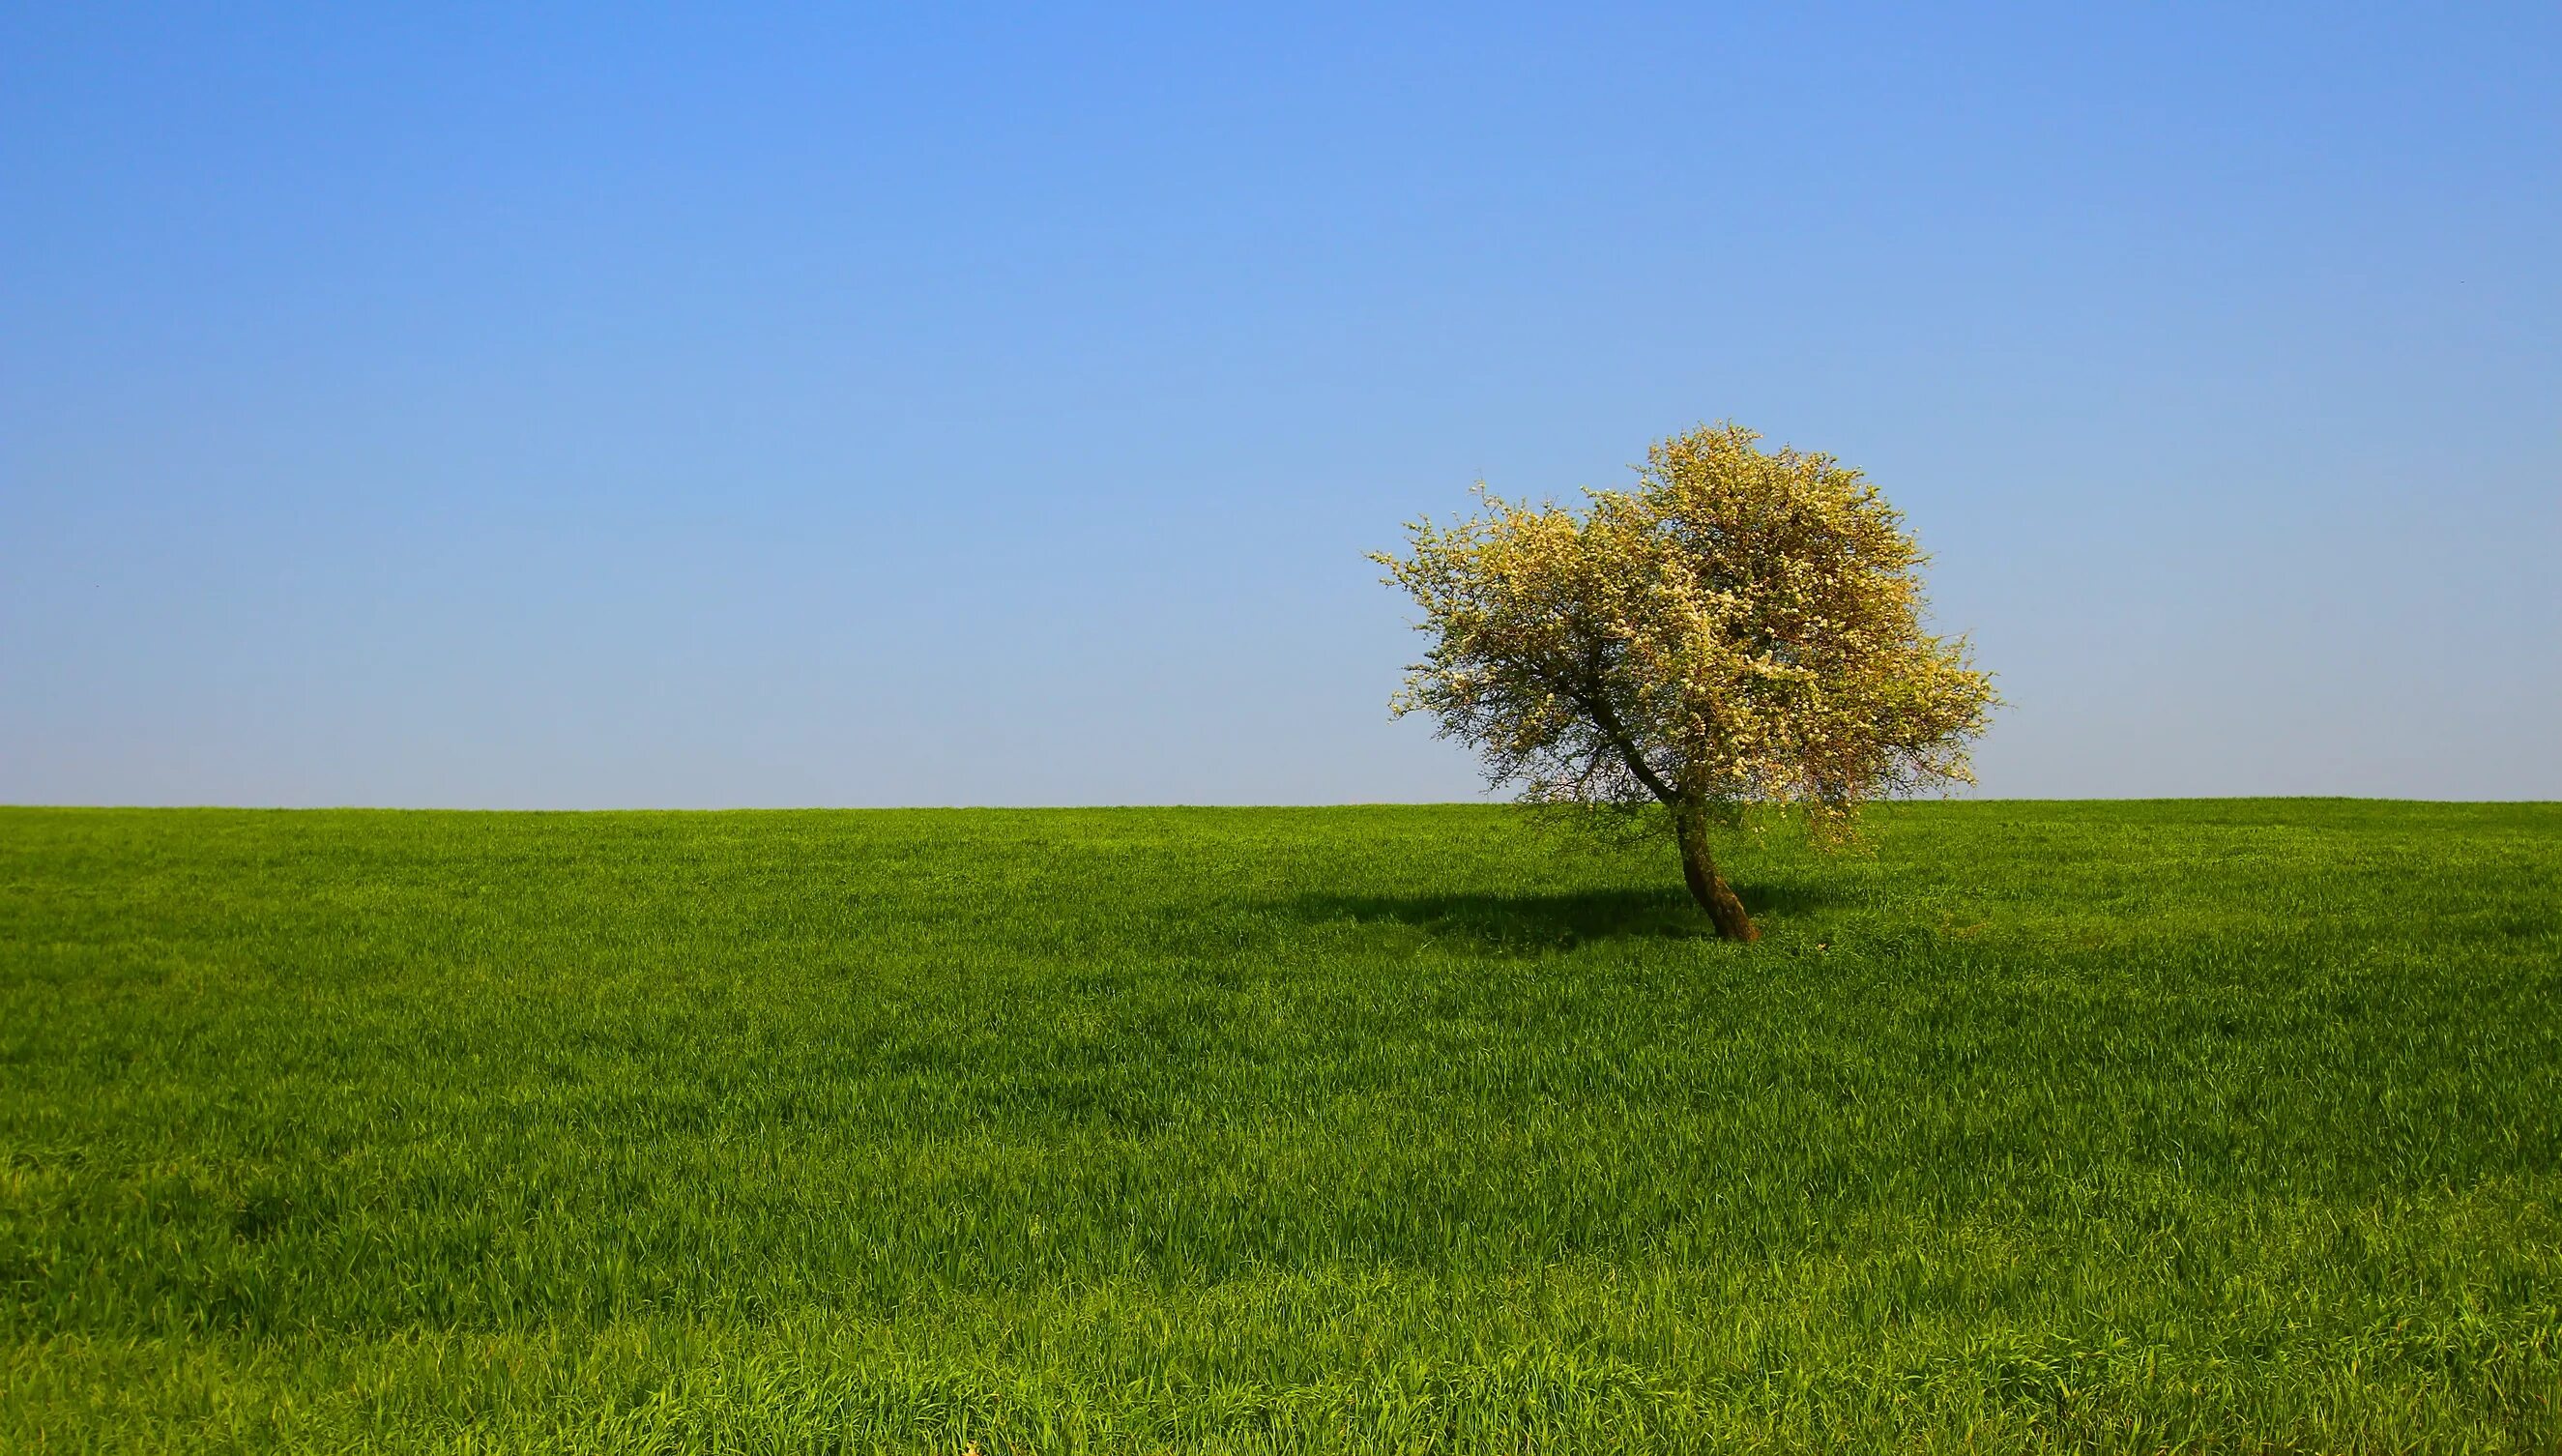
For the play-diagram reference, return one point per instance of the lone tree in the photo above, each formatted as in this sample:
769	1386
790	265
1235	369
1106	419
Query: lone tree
1742	626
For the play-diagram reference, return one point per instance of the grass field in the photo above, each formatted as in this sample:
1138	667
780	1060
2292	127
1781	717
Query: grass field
2216	1125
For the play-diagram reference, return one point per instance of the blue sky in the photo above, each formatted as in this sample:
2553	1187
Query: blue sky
569	406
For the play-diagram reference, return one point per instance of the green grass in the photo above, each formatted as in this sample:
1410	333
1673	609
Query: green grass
2215	1125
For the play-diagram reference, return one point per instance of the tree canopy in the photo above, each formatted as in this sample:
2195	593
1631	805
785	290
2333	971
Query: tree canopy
1740	626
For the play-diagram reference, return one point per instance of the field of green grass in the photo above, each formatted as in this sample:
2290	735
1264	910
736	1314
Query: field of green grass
2207	1124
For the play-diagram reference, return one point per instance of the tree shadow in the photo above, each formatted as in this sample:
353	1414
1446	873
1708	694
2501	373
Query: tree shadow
1553	920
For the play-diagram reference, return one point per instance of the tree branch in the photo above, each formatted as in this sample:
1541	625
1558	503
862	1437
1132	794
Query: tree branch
1617	732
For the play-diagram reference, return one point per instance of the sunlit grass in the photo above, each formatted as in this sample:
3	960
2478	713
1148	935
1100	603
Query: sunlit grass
2230	1125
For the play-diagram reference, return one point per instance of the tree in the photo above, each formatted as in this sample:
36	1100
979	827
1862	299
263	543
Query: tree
1741	628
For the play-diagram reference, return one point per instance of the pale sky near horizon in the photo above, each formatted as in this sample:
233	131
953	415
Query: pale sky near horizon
571	406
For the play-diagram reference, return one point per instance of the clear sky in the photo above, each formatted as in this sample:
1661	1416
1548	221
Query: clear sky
618	406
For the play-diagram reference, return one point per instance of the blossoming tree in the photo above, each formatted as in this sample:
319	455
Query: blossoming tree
1742	626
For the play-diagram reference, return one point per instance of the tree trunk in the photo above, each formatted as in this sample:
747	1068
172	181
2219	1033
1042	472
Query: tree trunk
1707	886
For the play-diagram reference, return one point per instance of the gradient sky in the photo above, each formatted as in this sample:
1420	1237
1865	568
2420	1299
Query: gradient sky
568	407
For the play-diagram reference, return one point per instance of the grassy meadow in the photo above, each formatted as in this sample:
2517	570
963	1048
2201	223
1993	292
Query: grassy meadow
2215	1126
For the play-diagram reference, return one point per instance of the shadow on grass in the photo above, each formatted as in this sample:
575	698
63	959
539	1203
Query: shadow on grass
1545	921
